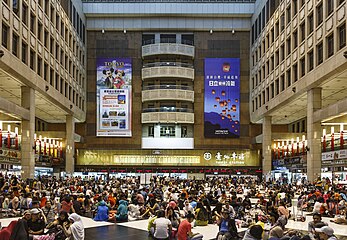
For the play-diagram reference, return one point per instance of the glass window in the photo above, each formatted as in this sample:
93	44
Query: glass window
4	35
330	45
32	59
329	6
302	67
32	23
25	14
24	52
289	78
310	23
319	14
310	60
302	32
15	44
319	53
342	36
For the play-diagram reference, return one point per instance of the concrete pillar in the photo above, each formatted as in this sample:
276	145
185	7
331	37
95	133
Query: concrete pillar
267	140
70	145
28	130
314	134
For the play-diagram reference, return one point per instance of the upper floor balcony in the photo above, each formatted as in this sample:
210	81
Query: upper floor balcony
168	115
167	92
170	48
168	70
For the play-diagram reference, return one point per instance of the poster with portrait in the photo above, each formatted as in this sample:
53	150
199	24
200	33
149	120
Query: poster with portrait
114	77
222	98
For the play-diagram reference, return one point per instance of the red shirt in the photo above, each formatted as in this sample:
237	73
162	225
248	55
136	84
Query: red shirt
183	230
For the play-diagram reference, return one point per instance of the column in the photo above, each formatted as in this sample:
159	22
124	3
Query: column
28	130
314	134
267	139
70	145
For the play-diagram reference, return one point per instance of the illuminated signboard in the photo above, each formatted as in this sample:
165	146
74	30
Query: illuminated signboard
114	77
222	97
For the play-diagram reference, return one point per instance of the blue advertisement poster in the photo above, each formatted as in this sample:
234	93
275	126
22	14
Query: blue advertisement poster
222	98
113	89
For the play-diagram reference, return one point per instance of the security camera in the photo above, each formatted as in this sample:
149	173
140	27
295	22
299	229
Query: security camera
1	53
344	54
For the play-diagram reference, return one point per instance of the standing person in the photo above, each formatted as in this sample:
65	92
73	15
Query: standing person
162	226
76	229
185	229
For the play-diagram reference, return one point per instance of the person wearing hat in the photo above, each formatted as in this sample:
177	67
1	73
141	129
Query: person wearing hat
325	233
36	224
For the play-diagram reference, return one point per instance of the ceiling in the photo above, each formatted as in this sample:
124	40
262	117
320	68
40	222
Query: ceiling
333	90
10	89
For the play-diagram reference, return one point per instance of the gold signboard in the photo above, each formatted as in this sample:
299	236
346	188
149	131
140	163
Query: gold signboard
227	158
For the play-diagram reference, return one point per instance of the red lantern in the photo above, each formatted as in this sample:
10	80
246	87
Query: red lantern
332	142
324	143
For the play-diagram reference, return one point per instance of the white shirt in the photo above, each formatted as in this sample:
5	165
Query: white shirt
161	228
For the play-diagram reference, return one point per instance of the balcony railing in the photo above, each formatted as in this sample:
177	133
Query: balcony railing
168	70
167	94
153	87
167	116
167	109
168	49
168	40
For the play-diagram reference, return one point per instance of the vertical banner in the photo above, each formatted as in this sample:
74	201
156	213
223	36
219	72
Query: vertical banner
114	77
222	97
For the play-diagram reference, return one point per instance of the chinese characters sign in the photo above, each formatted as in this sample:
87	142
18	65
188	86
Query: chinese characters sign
114	76
222	97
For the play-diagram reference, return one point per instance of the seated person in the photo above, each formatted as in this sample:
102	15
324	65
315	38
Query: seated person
255	232
76	230
133	212
60	221
325	233
316	223
201	215
122	211
161	226
185	229
36	224
227	227
102	212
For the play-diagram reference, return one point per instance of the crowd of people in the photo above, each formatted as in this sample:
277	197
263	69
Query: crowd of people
51	208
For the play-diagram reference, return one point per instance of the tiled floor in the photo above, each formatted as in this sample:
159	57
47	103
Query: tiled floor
137	230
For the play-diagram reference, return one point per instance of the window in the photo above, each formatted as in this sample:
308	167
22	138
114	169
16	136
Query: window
330	45
295	72
340	2
267	94
319	14
32	23
329	6
295	39
51	77
46	6
45	39
15	7
5	36
288	14
51	46
283	83
52	14
39	31
302	32
32	59
302	67
310	23
310	60
24	52
272	89
302	2
277	29
277	85
282	22
289	78
295	7
342	36
288	42
57	81
151	131
25	14
39	66
15	44
282	52
45	72
319	53
277	58
61	85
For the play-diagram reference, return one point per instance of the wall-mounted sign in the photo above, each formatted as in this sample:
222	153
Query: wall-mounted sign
114	91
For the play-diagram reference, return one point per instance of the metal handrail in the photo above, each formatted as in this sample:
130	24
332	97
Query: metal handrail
180	87
167	109
168	64
168	40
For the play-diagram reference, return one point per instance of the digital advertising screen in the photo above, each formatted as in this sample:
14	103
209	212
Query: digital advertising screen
222	98
113	89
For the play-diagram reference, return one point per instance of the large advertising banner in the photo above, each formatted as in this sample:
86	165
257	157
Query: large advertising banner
222	97
114	77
